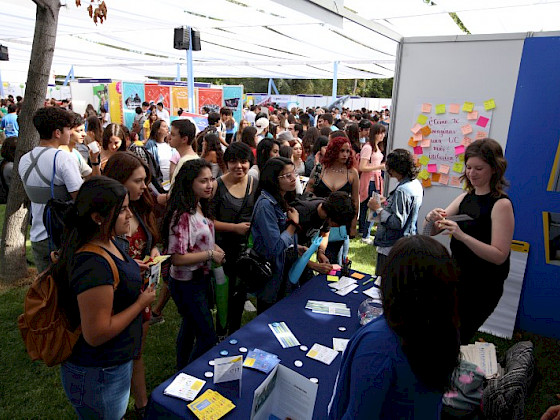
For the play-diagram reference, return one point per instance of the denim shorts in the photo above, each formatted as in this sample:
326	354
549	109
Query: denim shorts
95	392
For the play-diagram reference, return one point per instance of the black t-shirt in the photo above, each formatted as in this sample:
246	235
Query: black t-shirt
309	219
92	270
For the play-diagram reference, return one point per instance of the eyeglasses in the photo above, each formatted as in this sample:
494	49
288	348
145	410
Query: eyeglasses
289	175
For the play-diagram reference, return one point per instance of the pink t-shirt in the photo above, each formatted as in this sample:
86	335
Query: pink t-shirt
373	158
192	233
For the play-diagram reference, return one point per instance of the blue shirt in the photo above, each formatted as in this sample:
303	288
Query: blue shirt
10	125
270	240
375	380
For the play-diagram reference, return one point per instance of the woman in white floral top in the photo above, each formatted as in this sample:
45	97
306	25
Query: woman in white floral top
189	239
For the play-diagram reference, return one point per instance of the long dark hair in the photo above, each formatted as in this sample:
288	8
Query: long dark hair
155	129
98	194
120	166
490	151
248	136
112	130
418	288
182	199
263	152
308	141
269	182
374	131
212	142
94	125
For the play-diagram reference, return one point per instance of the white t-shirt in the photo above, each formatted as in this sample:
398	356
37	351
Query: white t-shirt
250	117
165	151
83	167
163	115
67	173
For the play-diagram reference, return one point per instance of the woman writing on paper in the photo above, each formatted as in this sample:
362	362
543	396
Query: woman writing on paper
399	365
481	247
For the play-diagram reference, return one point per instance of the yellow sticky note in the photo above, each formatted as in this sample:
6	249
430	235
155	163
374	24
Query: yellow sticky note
427	108
461	158
197	385
458	167
424	160
422	119
489	104
333	278
468	106
249	361
357	276
312	353
424	174
440	109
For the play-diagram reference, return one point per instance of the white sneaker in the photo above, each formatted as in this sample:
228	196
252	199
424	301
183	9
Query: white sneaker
249	307
367	241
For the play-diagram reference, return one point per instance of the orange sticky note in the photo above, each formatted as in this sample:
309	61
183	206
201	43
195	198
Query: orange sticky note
416	128
444	169
417	136
357	275
466	129
455	181
466	141
426	183
443	179
411	142
436	177
481	135
426	131
454	108
427	108
425	143
472	115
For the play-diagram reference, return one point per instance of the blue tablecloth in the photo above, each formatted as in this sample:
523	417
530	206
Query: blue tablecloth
309	328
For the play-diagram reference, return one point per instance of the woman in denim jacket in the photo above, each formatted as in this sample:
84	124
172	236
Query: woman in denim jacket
399	216
271	240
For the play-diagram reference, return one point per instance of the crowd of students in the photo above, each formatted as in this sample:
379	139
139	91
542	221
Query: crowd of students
163	187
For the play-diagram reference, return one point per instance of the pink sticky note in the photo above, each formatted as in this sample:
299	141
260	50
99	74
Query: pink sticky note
425	143
466	141
459	150
454	108
332	273
432	167
336	267
418	150
482	121
455	181
417	136
466	129
481	135
444	179
427	108
444	169
472	115
416	128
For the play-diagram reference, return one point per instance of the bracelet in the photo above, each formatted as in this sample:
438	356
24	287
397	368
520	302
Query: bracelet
210	255
95	163
426	219
320	250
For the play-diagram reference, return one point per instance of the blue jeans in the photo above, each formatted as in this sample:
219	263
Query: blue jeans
365	225
95	392
192	300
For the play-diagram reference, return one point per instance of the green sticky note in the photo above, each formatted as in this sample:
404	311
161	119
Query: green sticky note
458	167
424	160
468	106
489	104
423	174
422	119
440	109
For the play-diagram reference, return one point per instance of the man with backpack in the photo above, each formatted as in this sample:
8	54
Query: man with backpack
46	165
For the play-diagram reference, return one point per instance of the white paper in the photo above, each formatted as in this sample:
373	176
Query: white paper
321	353
484	356
346	290
373	292
342	283
185	387
339	344
155	273
285	394
228	369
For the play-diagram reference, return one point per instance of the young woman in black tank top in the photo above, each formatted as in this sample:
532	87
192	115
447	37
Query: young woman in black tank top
481	246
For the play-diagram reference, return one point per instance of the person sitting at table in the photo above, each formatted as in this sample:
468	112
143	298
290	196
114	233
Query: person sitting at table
188	236
271	240
399	365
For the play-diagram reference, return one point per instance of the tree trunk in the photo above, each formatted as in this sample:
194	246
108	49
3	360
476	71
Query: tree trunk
13	263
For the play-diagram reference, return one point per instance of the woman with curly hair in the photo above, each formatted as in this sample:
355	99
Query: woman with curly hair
212	153
388	371
481	246
337	174
399	216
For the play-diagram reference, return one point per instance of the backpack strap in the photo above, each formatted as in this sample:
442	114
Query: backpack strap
34	161
96	249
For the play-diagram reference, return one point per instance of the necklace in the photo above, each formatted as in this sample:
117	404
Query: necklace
338	170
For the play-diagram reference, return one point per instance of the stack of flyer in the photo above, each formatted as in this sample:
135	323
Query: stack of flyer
328	308
484	356
344	286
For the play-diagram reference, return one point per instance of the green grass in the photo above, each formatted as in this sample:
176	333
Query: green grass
31	390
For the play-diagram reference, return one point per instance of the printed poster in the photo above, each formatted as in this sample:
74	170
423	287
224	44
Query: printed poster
115	102
233	99
133	96
101	97
211	98
179	99
156	93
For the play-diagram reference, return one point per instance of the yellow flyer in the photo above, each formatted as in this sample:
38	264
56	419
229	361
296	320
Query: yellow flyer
211	406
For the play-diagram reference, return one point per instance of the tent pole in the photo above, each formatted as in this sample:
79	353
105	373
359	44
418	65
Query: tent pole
335	81
178	77
190	75
1	86
69	76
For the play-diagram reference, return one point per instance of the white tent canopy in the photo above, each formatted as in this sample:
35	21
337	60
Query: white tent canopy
255	38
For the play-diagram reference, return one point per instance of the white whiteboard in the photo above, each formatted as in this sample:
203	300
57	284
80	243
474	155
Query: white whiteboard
454	70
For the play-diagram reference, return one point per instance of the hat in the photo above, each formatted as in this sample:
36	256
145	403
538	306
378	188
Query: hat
285	135
261	124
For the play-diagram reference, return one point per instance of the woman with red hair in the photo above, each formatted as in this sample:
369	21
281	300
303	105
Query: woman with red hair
337	174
